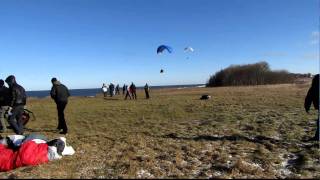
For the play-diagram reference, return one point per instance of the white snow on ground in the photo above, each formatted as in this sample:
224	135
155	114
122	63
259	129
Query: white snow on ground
183	163
284	171
195	172
217	173
276	137
254	165
144	174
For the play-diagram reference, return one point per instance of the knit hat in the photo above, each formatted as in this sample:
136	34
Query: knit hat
53	79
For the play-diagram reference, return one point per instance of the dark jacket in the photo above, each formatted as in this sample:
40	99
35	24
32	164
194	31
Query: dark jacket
4	96
146	87
59	92
17	93
313	94
133	87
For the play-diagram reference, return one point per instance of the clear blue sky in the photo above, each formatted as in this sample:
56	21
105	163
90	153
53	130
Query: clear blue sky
87	42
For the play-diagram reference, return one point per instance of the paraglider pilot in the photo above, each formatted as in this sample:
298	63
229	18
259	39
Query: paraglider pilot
60	93
18	99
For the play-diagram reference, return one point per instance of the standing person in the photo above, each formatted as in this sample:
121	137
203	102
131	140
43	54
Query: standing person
104	90
18	100
60	93
124	88
128	92
4	104
133	91
313	98
118	89
111	86
146	90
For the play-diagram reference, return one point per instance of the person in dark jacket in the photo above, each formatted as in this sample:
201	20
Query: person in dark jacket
146	90
4	104
118	89
60	93
124	88
18	99
313	98
133	91
111	87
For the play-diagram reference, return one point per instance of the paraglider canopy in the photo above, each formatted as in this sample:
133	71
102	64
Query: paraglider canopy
188	49
161	49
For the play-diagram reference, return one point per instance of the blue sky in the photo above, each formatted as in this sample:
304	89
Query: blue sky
87	42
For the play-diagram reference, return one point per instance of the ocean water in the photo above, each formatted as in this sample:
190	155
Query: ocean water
95	91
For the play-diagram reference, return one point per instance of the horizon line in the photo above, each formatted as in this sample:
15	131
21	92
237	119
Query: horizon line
121	87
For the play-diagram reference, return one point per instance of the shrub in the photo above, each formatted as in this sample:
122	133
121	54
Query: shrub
250	74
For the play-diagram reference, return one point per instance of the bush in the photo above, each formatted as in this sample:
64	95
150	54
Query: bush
250	74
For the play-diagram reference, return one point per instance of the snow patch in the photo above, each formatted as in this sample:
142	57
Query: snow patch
144	174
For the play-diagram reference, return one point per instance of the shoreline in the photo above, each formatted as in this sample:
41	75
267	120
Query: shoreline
95	91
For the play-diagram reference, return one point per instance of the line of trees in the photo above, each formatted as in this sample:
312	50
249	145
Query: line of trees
250	74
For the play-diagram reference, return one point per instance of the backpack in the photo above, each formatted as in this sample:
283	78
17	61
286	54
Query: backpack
205	97
25	116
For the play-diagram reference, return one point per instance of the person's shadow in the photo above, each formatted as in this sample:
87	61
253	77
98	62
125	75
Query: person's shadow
110	99
40	130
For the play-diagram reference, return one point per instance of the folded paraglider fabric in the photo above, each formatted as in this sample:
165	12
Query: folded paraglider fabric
68	150
16	139
31	154
205	97
17	151
53	153
7	158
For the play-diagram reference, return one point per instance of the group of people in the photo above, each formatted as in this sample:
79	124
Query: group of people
111	89
127	91
30	150
130	91
13	99
12	102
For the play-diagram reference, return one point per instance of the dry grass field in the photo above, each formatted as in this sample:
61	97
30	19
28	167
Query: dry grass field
242	132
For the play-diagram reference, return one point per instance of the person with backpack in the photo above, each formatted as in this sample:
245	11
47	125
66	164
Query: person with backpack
4	105
18	100
60	94
313	98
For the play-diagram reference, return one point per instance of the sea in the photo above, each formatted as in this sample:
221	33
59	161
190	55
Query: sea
94	91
